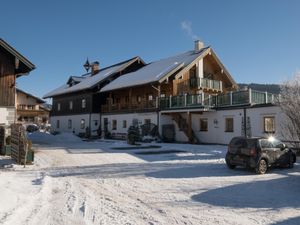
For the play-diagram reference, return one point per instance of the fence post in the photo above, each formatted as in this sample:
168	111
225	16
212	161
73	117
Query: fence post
250	96
266	97
230	99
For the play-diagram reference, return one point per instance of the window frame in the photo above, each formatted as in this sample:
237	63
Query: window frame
114	124
227	130
273	124
71	105
124	124
83	103
200	124
69	124
82	124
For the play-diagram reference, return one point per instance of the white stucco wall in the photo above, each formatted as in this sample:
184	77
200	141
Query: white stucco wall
216	131
76	119
179	135
7	115
129	117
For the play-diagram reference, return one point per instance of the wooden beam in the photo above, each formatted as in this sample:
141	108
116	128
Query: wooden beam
189	121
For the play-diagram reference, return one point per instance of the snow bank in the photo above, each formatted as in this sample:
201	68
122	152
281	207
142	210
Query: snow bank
47	138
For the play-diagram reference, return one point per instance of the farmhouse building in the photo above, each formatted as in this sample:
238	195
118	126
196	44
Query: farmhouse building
12	66
76	105
30	109
189	97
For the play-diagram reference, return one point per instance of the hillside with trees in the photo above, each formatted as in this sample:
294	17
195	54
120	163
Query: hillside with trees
272	88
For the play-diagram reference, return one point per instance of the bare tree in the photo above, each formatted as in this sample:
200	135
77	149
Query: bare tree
290	105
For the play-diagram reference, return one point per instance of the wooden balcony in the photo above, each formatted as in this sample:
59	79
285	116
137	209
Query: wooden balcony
200	83
143	106
205	101
199	101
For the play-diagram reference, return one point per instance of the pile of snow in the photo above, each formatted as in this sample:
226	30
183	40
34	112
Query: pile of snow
47	138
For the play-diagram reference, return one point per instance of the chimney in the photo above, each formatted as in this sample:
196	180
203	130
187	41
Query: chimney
198	45
95	67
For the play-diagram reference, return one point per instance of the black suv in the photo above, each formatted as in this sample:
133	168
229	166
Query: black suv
258	153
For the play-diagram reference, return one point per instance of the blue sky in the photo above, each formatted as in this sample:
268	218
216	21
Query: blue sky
257	41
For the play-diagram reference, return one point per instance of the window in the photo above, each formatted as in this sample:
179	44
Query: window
138	99
30	107
147	121
228	124
58	106
114	124
203	124
83	103
70	105
82	124
124	123
69	124
193	73
57	124
269	124
150	97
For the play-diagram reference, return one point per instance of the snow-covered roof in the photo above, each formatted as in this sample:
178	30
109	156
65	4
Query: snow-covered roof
89	81
154	71
75	79
32	96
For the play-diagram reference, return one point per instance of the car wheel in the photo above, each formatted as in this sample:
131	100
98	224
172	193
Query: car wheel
262	167
229	165
291	162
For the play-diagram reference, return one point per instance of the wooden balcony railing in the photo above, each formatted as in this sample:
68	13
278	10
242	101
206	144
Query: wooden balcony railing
130	107
237	98
200	83
203	100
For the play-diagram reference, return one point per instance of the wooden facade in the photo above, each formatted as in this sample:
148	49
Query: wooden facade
213	81
30	109
12	65
7	78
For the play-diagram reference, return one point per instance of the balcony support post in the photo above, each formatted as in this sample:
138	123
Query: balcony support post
250	96
230	98
266	97
185	100
170	101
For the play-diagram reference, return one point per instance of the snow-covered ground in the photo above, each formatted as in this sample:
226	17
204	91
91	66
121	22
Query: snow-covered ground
79	182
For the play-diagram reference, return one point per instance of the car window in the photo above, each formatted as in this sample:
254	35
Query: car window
264	143
277	144
238	142
243	143
251	143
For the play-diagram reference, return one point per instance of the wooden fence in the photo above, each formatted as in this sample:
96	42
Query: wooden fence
2	139
19	143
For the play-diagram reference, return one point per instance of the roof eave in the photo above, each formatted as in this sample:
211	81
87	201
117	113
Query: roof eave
14	52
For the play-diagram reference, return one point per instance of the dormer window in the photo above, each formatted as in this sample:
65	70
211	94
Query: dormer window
83	103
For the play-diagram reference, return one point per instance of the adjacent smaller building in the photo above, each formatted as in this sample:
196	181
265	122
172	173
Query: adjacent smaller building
31	109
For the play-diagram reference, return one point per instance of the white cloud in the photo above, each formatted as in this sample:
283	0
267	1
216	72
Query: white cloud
186	26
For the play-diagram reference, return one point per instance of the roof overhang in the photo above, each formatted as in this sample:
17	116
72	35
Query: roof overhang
28	66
